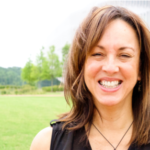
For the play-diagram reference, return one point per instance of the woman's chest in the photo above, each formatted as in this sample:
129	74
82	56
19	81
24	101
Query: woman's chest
100	144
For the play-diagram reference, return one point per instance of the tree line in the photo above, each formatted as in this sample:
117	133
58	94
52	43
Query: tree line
10	76
47	66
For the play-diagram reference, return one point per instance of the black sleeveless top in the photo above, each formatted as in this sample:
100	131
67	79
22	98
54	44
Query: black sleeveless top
70	140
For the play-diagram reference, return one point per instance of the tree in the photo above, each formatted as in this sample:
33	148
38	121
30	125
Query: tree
46	68
65	51
53	65
10	76
40	62
45	74
27	73
34	73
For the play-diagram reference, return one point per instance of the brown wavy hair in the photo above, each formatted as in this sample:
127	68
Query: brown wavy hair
75	90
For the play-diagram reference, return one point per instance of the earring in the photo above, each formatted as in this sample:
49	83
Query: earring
139	86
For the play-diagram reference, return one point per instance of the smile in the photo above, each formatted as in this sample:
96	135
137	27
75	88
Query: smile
109	84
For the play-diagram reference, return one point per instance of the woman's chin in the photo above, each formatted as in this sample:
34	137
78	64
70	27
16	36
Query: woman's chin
108	102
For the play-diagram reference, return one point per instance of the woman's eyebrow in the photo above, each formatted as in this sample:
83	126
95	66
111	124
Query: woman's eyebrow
121	48
126	47
99	46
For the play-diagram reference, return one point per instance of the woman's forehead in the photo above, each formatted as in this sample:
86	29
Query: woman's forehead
118	33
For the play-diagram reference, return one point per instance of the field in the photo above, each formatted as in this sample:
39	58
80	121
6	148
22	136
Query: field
22	117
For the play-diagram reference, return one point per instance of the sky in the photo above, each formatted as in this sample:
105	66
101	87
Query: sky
25	26
28	25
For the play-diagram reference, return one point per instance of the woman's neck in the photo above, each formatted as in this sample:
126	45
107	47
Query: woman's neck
113	117
113	124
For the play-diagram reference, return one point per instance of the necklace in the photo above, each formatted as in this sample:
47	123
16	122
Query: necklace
108	141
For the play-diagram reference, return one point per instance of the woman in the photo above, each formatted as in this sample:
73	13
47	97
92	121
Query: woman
108	81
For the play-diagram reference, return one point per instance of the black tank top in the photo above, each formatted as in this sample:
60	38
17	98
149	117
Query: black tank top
70	140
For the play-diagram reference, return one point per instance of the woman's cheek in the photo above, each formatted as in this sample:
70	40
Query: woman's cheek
129	70
92	68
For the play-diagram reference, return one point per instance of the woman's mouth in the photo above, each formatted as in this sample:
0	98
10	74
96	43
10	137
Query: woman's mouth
110	84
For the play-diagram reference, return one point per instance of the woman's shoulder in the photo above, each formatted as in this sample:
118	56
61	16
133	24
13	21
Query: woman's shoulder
56	137
42	140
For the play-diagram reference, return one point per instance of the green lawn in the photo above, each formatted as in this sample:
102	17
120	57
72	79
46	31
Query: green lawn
21	118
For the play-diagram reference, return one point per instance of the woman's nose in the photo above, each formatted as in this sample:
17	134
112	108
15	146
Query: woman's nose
110	66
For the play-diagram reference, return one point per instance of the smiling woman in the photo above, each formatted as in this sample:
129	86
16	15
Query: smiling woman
114	64
108	82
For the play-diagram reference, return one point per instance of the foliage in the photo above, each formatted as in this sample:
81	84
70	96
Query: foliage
53	88
54	63
25	89
29	90
60	88
9	89
46	68
3	92
40	63
10	76
51	66
65	51
2	86
28	73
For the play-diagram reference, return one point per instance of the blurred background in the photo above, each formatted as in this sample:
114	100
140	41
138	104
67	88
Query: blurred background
32	32
35	37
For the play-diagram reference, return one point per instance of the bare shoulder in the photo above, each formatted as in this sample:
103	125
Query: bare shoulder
42	140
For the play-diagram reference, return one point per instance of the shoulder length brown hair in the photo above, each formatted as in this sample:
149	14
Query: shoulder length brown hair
75	90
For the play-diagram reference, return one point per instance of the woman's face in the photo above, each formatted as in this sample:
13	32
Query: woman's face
112	67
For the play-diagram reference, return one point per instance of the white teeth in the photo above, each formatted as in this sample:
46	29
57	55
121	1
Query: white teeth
109	84
112	83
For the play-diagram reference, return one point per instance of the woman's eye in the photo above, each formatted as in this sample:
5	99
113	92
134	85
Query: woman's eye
126	56
97	54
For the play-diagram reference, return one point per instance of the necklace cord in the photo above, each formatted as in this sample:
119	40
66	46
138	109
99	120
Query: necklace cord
107	139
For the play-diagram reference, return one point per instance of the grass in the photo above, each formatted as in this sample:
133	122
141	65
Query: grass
21	118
